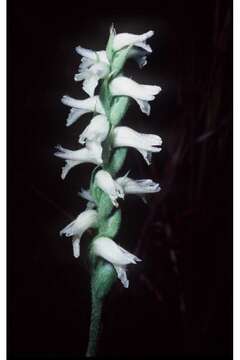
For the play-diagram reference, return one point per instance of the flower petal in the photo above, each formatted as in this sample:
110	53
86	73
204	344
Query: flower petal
126	39
86	53
76	246
90	84
122	275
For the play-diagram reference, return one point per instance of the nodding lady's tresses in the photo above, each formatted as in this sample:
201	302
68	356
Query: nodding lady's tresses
95	66
102	143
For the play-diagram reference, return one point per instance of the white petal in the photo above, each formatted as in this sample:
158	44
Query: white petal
142	186
76	247
106	183
92	153
68	166
124	86
122	275
87	104
144	106
97	130
85	220
126	39
89	85
103	56
144	46
147	155
86	53
125	136
74	115
81	75
85	64
85	194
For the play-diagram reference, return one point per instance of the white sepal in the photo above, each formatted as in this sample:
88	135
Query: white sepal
123	86
106	183
81	107
116	255
125	39
87	219
97	130
146	144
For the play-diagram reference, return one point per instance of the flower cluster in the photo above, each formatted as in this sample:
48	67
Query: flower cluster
104	143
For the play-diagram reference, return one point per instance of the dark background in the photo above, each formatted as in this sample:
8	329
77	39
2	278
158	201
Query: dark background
180	297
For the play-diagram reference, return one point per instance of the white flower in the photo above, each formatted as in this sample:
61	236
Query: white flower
92	153
80	107
106	183
146	144
124	86
94	66
84	221
143	186
96	131
126	39
116	255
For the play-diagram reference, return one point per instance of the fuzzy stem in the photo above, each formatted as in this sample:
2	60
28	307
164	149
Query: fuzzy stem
94	326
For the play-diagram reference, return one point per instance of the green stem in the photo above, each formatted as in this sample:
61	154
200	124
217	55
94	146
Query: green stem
94	326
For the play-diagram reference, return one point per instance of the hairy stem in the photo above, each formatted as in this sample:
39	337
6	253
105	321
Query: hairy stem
94	326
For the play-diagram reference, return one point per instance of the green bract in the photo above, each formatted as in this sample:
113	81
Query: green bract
118	109
119	60
110	226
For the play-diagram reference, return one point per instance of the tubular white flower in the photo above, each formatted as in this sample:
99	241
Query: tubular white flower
106	183
146	144
96	131
143	186
87	219
92	153
81	107
116	255
124	86
94	66
126	39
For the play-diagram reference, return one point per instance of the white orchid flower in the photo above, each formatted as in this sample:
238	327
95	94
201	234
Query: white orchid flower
123	86
81	107
116	255
87	219
143	186
94	66
106	183
125	39
146	144
92	153
96	131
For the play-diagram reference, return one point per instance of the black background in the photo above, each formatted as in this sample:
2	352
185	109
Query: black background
180	297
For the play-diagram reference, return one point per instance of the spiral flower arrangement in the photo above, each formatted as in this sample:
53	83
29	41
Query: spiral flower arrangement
105	143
